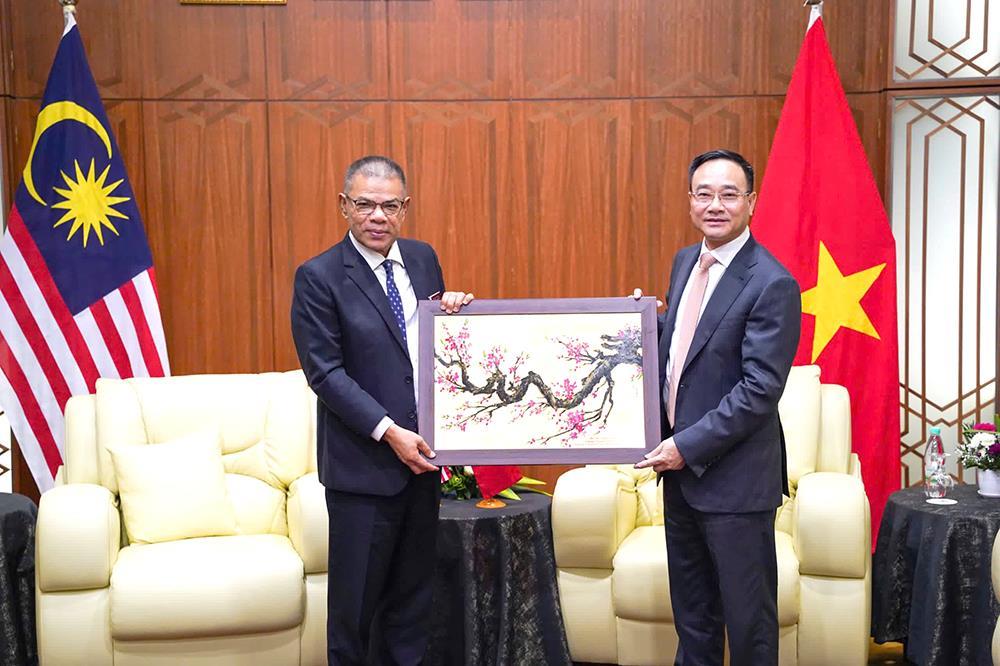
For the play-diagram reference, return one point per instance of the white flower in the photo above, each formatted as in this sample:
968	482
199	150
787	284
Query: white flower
982	440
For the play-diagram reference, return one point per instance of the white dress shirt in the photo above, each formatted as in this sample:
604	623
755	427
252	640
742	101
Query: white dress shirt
724	255
406	296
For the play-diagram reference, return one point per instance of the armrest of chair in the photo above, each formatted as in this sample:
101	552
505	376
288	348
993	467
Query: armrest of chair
832	526
854	468
308	525
593	510
77	538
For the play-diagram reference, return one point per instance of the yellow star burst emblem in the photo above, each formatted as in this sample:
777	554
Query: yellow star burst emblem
88	203
835	301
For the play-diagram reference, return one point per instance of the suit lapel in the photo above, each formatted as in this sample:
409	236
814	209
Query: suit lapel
734	279
673	300
361	274
420	275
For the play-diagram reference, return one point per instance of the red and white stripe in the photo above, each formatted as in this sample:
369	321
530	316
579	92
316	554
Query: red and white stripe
48	355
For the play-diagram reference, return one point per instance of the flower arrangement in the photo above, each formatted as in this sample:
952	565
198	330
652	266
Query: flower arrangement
485	481
981	445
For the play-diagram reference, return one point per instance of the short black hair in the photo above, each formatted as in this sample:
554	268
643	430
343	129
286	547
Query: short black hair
374	166
721	154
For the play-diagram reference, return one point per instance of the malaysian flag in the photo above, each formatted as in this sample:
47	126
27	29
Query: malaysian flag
77	289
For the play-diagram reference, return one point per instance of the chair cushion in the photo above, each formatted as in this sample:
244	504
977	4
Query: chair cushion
650	496
641	589
216	586
639	585
174	490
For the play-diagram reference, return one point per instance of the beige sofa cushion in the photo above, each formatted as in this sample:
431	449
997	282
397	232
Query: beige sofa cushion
215	586
641	588
174	490
265	421
639	583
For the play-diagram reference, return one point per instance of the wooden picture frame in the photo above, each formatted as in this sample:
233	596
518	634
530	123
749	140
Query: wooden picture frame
539	381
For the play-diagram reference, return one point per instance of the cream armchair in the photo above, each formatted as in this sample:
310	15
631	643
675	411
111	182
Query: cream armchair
258	597
607	525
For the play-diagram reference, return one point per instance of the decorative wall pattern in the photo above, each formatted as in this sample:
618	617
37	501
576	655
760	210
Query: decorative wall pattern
939	40
945	171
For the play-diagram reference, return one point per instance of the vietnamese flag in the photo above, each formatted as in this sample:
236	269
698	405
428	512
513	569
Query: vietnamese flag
821	215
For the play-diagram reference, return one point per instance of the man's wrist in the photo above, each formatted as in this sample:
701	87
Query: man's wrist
382	428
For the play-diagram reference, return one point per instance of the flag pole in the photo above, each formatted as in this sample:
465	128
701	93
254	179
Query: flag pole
815	11
69	14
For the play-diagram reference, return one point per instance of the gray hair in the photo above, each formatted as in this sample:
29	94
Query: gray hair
374	166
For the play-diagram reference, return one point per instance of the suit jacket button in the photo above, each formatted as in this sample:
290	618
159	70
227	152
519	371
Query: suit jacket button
408	379
413	416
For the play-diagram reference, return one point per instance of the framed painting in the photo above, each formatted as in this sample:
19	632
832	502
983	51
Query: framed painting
539	381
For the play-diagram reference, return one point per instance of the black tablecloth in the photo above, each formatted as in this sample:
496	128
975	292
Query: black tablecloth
17	580
931	585
495	595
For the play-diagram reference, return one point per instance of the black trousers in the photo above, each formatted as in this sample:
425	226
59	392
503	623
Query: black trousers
381	571
723	579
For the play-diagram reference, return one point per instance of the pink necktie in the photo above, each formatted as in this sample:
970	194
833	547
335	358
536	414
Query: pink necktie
688	323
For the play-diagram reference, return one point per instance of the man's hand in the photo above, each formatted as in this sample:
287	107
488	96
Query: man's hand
408	447
637	294
664	457
452	301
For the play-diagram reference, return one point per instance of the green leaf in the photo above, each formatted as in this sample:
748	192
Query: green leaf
525	481
508	494
529	489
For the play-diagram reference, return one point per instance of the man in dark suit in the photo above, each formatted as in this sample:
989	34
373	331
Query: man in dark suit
354	323
729	337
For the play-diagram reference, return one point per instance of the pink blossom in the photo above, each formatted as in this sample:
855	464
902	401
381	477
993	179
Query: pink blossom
984	427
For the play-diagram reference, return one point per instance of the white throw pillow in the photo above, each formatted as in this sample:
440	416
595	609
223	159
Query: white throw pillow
174	490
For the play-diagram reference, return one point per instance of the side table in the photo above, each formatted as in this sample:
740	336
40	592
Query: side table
931	585
495	596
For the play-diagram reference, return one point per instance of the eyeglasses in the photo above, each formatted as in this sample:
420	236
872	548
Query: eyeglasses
727	199
365	207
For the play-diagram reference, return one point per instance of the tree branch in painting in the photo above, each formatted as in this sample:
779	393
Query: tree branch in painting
499	380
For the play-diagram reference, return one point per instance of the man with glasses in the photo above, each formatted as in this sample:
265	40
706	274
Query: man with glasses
354	322
729	337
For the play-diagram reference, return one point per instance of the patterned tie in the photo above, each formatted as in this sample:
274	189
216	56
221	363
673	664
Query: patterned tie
395	303
688	323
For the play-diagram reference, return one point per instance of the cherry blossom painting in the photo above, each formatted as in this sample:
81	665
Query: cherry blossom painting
531	385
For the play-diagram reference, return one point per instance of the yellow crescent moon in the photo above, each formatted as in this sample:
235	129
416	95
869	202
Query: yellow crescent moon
56	113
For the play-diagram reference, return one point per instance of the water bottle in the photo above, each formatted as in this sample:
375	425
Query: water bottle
937	481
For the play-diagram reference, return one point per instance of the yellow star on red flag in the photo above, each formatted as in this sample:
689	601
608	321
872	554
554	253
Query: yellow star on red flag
835	301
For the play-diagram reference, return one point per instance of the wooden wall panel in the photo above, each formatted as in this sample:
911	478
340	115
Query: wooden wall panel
575	157
207	220
452	153
311	146
5	37
448	49
573	48
201	51
114	52
749	47
318	49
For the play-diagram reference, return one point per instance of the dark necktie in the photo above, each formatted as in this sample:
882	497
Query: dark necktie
395	302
